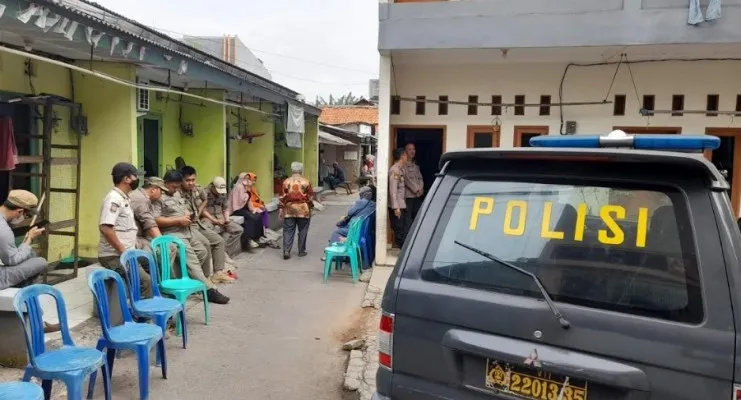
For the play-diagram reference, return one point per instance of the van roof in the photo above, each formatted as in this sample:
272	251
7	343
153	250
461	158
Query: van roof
691	160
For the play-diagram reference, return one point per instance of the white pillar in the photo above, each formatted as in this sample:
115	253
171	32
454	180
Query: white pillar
382	158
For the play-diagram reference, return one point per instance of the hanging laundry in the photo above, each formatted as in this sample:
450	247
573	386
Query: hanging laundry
711	13
8	149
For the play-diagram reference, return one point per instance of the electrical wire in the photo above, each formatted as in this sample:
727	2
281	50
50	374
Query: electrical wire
628	63
123	82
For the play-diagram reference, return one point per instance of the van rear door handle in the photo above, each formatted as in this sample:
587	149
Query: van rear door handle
553	359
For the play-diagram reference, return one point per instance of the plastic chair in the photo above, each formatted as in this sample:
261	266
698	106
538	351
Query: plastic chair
349	249
180	288
158	308
20	391
70	364
367	241
130	335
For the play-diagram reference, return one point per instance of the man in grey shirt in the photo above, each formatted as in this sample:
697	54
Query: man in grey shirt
20	265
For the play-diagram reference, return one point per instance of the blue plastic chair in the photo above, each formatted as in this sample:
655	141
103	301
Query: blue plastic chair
20	391
350	249
130	335
70	364
180	288
158	308
367	240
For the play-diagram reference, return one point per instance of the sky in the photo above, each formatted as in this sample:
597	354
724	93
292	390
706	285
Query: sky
315	47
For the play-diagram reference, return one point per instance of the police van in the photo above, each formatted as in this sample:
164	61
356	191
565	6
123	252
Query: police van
582	268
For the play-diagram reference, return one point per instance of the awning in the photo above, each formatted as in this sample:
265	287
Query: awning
328	138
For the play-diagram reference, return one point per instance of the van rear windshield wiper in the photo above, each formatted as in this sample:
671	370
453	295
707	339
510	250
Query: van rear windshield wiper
561	320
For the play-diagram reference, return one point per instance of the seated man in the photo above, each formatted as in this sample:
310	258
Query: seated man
20	266
361	208
215	215
141	204
336	178
173	218
117	224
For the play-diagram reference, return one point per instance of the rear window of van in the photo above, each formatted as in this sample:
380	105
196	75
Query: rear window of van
624	249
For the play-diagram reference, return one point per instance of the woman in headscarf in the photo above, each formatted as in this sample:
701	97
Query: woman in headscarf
242	204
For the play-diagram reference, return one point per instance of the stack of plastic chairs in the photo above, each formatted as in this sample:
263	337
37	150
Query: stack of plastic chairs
351	249
368	240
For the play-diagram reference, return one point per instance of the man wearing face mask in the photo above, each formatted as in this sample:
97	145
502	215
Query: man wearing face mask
118	229
20	266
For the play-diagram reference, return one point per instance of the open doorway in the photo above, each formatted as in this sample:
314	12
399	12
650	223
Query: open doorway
430	144
150	145
523	134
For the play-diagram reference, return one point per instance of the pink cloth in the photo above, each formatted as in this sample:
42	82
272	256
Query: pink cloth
8	149
239	196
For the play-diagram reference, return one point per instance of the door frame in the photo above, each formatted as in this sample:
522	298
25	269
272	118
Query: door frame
392	142
519	130
650	130
736	181
140	140
496	136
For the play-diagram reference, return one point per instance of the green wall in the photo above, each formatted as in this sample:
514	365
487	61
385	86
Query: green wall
206	149
256	157
166	107
111	113
311	150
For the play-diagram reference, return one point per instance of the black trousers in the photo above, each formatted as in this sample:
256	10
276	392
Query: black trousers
399	226
413	206
252	225
289	230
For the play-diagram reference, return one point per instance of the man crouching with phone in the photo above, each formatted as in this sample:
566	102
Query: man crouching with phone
20	265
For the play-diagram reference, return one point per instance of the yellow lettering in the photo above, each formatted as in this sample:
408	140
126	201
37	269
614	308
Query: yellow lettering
481	206
545	228
642	230
519	230
615	236
581	222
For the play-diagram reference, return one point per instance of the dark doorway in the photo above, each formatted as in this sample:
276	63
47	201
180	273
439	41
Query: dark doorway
151	133
725	159
23	128
429	143
523	134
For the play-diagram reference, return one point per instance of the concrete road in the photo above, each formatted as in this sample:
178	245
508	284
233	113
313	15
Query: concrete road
279	337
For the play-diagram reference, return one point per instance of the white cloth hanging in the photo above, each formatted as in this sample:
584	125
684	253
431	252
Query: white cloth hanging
713	12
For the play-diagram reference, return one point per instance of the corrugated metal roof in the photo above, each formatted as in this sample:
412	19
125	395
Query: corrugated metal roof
328	138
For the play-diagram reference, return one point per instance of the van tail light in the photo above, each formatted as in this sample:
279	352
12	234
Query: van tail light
385	339
736	392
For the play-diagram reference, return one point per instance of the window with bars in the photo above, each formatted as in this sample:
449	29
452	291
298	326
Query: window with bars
442	106
473	108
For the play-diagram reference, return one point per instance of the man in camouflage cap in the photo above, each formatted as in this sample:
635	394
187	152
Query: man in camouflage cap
20	265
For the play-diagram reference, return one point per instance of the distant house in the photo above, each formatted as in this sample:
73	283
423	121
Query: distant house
232	50
356	124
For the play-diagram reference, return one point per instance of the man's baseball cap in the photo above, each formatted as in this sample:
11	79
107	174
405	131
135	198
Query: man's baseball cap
125	169
219	184
23	199
156	182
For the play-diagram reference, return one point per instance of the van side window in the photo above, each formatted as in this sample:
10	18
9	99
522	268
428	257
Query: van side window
623	249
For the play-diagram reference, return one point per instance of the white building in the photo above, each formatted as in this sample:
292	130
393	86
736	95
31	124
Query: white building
541	52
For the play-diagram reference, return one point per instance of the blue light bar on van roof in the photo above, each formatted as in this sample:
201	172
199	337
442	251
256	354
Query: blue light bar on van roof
686	143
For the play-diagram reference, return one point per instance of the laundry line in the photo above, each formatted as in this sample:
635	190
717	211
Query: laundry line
123	82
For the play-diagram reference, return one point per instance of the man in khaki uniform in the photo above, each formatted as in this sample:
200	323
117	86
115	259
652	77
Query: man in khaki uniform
415	185
216	216
397	202
118	229
146	223
173	218
196	200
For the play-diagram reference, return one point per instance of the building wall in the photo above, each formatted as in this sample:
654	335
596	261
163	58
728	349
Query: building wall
206	149
256	157
112	138
695	80
311	150
286	155
167	107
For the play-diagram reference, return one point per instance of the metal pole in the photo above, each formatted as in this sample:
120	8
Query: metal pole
466	103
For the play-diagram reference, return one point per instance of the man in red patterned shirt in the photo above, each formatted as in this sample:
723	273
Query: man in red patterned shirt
296	202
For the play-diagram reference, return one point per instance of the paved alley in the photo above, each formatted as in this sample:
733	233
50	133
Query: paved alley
278	338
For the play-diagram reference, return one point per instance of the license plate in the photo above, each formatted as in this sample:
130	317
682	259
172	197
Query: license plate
530	383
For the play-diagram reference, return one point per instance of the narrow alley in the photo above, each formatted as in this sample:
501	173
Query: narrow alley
280	337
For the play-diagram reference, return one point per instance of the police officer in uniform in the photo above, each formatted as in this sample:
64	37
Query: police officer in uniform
397	201
141	203
118	229
173	218
415	185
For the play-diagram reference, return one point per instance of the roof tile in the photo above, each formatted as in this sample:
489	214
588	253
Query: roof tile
349	115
